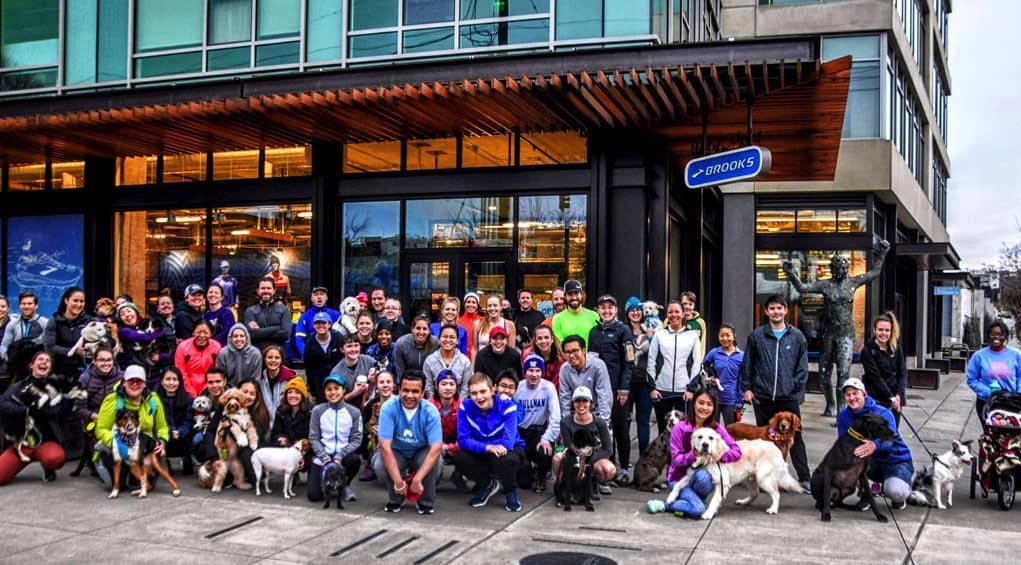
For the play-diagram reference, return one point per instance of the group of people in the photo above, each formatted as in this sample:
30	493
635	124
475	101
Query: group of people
493	391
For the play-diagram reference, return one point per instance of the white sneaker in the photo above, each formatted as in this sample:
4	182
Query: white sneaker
349	494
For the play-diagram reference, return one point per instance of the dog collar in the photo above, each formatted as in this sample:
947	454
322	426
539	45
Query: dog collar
857	435
773	434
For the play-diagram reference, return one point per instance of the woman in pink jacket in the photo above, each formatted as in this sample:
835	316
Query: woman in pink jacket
195	355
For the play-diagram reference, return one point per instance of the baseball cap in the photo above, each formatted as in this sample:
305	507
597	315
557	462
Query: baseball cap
498	330
335	378
607	298
322	317
320	288
192	289
853	383
224	263
446	374
581	392
134	373
572	286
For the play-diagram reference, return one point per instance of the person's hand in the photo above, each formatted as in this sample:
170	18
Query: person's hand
416	486
374	429
749	396
154	356
175	434
884	245
93	417
253	325
160	450
896	403
360	388
622	398
497	450
656	395
865	449
545	447
688	395
400	488
282	441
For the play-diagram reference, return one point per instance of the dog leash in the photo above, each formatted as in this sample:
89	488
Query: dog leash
911	558
922	443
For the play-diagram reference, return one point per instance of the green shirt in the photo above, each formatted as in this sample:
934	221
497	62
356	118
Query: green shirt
152	424
569	323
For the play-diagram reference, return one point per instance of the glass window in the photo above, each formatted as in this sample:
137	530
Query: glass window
438	153
233	58
158	249
626	17
277	54
236	165
851	221
28	32
553	148
135	170
372	157
579	19
68	175
774	221
553	230
81	32
26	80
429	11
26	177
372	245
260	241
459	222
502	8
279	18
806	310
165	65
861	118
371	14
288	161
230	21
422	40
487	151
322	38
45	255
96	54
817	221
373	45
184	168
505	33
858	47
167	25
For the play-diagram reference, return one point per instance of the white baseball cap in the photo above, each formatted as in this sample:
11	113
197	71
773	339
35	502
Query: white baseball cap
134	372
582	392
853	383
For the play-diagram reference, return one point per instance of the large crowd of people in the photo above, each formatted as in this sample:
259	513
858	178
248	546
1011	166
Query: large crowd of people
494	392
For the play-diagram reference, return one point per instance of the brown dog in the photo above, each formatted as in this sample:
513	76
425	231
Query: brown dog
780	431
135	449
236	431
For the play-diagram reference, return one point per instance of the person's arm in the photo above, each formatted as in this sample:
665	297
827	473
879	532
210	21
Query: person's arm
399	364
283	331
354	439
464	439
462	340
604	392
650	368
512	333
8	339
301	333
553	426
872	372
160	427
315	436
434	435
105	422
50	340
734	451
567	432
801	368
390	463
877	266
565	391
510	426
277	430
604	435
679	457
976	380
188	421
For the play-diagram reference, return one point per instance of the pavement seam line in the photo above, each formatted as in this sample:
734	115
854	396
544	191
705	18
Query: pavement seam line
522	516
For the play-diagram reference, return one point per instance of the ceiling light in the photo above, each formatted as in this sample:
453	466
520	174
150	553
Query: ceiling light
240	232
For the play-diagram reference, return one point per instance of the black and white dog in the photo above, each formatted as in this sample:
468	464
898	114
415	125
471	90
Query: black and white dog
929	483
333	483
575	477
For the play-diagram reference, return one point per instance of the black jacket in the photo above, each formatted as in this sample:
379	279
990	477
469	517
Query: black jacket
318	362
491	364
292	426
886	373
274	321
47	420
775	369
185	318
609	341
525	324
60	336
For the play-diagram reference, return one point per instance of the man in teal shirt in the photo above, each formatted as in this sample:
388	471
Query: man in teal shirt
410	441
575	319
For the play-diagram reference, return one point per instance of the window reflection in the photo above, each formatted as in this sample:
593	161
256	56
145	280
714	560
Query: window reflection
462	222
372	157
184	168
136	170
26	177
236	165
774	221
438	153
288	162
372	244
851	221
553	148
817	221
487	151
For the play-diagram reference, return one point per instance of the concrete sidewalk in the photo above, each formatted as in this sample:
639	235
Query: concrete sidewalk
72	521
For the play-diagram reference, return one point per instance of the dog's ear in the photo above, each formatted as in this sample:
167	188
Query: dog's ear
721	446
968	443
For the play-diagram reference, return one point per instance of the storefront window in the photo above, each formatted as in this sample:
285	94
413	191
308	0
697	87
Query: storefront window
372	157
851	221
459	222
288	162
68	175
427	154
184	168
236	165
553	231
26	177
817	221
806	310
136	170
487	151
372	246
157	250
774	221
553	148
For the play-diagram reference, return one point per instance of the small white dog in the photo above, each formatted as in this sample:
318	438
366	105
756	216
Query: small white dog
761	466
92	336
349	308
278	460
929	483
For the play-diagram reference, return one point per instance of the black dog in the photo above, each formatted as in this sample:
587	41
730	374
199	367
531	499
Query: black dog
575	477
841	472
334	480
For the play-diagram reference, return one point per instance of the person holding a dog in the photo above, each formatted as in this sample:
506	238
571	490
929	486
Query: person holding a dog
43	442
583	418
891	465
410	445
65	329
335	432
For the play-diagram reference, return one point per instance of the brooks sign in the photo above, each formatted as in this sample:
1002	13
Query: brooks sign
729	166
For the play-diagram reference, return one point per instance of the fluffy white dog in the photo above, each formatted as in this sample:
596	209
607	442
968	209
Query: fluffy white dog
761	466
345	324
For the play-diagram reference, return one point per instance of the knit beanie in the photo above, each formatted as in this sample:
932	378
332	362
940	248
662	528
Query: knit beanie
384	324
298	384
534	362
632	304
129	305
471	294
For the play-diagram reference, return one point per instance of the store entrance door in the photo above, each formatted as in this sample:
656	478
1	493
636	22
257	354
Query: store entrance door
428	277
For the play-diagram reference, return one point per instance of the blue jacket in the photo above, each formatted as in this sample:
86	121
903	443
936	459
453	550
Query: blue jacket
498	426
462	336
728	368
304	327
887	453
987	367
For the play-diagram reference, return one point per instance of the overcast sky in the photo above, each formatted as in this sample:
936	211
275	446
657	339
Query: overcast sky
985	125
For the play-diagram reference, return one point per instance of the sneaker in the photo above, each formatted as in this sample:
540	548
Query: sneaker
595	493
424	510
482	494
513	504
900	505
393	507
863	505
459	484
604	489
623	477
655	506
49	475
349	495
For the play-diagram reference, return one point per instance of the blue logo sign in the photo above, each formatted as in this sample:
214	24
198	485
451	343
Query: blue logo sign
729	166
946	290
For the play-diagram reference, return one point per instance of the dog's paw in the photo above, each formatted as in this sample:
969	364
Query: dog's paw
244	486
706	516
743	501
826	517
176	492
215	489
142	494
114	494
772	511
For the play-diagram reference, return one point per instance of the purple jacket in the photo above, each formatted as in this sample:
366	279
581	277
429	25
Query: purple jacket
221	320
98	387
682	456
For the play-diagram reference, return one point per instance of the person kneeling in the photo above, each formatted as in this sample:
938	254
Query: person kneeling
410	442
582	419
487	435
335	432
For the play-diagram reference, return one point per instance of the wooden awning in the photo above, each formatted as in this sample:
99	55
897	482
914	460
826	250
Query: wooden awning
797	103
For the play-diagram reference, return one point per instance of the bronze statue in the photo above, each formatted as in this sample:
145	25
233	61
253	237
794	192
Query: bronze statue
837	327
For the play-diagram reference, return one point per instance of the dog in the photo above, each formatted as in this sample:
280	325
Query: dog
349	309
236	430
93	335
34	395
575	477
135	449
761	467
928	485
282	460
842	473
334	479
650	316
654	461
780	431
200	408
212	473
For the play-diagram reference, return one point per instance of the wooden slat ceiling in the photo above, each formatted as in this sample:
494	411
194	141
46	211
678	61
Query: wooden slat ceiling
798	102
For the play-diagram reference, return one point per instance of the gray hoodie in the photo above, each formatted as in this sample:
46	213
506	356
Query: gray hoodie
239	364
595	377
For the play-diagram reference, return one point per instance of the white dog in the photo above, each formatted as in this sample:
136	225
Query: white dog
761	466
93	335
650	316
928	485
278	460
349	308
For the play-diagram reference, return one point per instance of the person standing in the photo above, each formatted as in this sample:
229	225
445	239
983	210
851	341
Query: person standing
228	283
774	374
692	319
323	350
377	301
640	390
886	370
674	358
448	356
575	319
726	361
392	312
993	368
469	317
305	327
219	316
269	321
188	313
493	319
410	351
611	340
526	319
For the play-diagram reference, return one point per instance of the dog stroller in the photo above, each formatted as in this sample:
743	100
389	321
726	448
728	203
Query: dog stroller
998	465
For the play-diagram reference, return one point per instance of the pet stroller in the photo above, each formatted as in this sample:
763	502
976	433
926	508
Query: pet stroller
998	465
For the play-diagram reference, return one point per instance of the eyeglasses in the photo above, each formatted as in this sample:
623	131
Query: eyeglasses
572	352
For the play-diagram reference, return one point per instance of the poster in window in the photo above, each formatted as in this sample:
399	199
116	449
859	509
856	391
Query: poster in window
45	256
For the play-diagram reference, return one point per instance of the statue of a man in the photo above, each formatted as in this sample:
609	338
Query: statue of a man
837	326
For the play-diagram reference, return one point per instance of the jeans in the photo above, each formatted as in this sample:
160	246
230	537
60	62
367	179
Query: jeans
642	402
690	501
406	464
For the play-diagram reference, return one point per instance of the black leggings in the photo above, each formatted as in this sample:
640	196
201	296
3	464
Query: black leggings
542	462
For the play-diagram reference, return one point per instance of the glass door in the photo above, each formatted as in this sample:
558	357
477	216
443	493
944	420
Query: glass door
428	286
430	277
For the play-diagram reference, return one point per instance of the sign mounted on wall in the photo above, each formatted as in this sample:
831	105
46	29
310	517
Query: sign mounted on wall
946	290
730	166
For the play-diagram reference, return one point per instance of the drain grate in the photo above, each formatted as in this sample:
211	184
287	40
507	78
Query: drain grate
397	547
234	527
566	558
353	545
436	552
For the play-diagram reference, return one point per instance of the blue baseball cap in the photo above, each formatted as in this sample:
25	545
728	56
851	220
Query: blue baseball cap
335	378
322	317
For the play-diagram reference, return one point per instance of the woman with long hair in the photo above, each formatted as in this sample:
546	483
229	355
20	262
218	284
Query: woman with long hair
470	315
410	351
139	338
273	377
219	316
886	370
251	400
640	389
546	346
63	332
180	418
675	355
493	318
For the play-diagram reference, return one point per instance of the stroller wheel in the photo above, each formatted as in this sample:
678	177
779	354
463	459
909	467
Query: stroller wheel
1005	495
974	478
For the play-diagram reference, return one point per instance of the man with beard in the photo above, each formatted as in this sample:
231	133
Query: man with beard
575	319
269	321
377	300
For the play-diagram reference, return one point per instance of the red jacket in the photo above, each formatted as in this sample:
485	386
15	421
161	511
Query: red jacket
194	362
448	423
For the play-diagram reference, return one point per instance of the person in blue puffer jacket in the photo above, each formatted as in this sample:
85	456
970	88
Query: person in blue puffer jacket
891	464
726	361
335	432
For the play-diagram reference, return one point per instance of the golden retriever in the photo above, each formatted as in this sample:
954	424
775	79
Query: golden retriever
780	431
